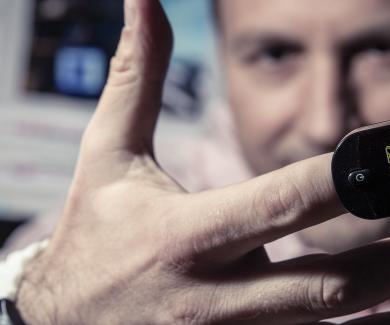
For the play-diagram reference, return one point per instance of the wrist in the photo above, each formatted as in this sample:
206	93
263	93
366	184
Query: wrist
13	270
34	299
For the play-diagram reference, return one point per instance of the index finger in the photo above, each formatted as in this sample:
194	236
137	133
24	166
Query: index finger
245	216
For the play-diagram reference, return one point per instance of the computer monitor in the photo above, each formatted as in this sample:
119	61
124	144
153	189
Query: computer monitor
71	46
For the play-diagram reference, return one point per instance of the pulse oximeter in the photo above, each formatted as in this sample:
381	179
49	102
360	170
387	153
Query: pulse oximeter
361	171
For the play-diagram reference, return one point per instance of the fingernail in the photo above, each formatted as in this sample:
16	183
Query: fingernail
130	11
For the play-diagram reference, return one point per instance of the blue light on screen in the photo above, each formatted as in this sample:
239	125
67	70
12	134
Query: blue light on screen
80	70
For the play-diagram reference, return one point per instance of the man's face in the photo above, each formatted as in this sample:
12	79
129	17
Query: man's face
301	74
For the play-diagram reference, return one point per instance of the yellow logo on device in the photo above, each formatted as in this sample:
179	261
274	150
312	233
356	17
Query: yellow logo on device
388	154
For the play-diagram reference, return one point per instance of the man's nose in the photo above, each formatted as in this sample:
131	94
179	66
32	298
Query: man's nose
325	121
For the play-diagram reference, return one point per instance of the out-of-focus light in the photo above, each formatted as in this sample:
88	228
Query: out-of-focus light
80	70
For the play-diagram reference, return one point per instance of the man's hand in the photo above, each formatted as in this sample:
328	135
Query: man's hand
133	247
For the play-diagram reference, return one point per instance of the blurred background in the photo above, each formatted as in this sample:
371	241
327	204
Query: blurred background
54	57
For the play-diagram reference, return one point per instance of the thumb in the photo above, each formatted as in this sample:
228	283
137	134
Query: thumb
128	109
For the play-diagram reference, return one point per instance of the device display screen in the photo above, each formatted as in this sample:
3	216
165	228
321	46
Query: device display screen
375	156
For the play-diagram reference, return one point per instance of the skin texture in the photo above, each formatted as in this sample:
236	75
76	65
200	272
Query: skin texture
299	78
132	247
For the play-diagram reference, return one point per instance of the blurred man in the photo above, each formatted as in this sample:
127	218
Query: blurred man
132	247
300	77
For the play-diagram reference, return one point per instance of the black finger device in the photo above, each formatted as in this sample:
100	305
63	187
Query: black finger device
361	171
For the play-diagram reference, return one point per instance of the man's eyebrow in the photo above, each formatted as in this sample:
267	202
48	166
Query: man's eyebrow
255	39
379	35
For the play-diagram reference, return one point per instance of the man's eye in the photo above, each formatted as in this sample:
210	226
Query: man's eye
272	56
371	62
376	47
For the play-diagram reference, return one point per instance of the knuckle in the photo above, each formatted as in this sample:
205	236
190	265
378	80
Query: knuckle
190	312
327	294
283	203
187	316
122	70
121	62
